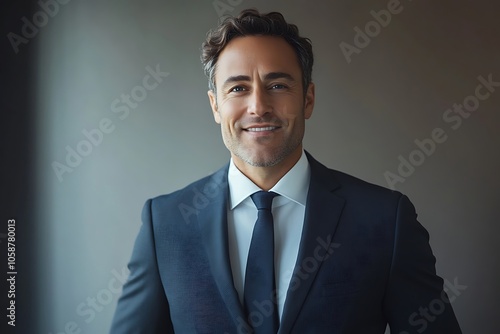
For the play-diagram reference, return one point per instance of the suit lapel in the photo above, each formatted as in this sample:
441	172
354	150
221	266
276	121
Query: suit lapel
323	210
213	226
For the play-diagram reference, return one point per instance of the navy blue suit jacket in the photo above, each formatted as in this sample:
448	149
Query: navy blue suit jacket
364	262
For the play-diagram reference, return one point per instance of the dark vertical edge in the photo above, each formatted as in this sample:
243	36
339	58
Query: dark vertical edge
18	126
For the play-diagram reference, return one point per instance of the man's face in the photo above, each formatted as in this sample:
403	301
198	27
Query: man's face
260	102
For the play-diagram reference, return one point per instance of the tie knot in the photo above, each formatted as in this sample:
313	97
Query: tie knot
263	199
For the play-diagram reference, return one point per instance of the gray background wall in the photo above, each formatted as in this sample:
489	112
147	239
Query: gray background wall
368	113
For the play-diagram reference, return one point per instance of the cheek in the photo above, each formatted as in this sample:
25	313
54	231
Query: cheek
291	113
227	124
289	106
230	112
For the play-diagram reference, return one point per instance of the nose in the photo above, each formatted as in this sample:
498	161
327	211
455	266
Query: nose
259	102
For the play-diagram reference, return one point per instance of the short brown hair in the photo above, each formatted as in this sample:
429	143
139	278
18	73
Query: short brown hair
250	23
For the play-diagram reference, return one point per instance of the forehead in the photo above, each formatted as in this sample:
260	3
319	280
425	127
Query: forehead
264	54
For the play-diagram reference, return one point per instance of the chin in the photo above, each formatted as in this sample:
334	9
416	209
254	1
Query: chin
261	159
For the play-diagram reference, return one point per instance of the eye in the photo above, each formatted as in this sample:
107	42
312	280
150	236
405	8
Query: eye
278	86
237	89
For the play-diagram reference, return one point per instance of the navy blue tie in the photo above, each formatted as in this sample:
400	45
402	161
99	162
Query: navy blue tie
260	286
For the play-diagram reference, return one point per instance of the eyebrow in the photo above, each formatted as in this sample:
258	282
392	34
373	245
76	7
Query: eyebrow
268	76
278	75
236	78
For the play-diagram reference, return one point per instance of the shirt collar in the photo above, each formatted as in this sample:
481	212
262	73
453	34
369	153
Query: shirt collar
293	185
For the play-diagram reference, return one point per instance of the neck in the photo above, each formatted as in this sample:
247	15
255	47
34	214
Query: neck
266	177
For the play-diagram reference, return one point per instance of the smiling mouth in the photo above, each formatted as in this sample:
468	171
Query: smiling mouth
266	128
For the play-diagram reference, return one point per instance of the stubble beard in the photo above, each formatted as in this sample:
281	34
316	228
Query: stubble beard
270	158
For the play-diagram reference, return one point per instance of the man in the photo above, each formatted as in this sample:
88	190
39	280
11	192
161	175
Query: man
325	253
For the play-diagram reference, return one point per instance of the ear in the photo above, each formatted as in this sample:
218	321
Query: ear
213	103
309	101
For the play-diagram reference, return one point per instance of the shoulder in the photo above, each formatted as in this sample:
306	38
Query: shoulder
207	187
341	181
353	184
353	189
368	196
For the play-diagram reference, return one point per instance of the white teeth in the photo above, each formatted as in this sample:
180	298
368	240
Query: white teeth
269	128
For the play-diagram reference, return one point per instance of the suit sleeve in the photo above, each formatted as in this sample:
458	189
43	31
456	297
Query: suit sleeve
415	301
143	306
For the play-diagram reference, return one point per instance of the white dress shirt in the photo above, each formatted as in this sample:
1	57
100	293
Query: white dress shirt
288	215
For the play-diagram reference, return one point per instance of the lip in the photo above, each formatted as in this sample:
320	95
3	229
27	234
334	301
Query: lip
261	127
